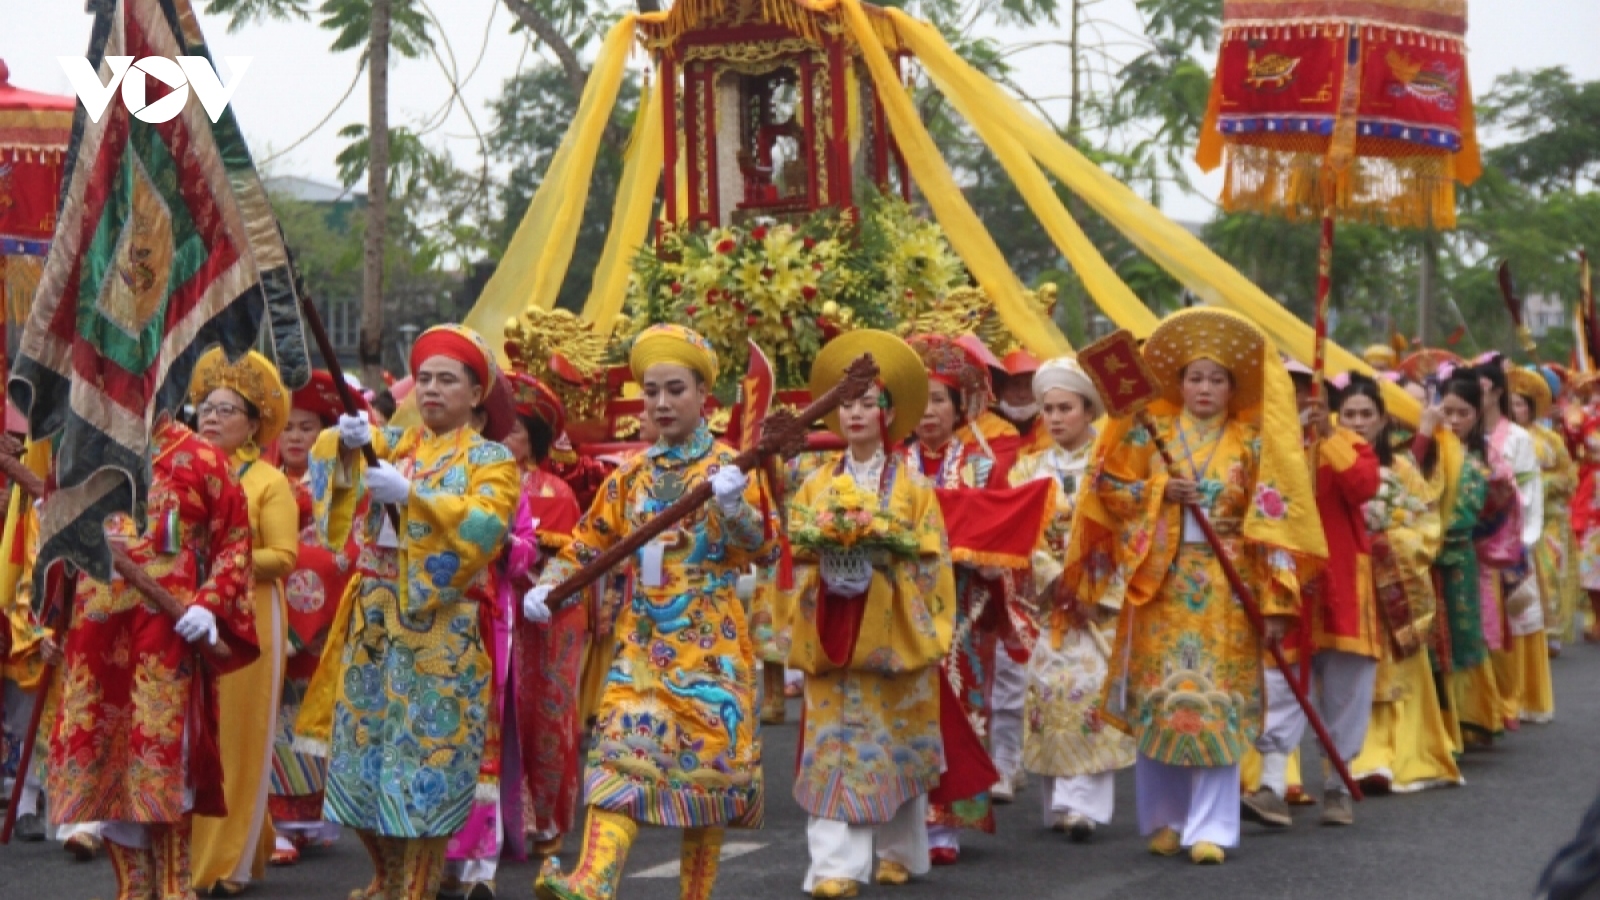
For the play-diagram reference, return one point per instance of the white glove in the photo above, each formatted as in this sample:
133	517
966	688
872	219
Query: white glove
387	485
533	605
197	622
355	431
728	484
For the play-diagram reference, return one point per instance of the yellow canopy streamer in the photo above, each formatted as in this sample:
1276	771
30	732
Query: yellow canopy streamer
630	215
965	231
1168	244
1110	293
536	260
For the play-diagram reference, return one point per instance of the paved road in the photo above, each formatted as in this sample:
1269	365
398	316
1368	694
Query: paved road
1488	839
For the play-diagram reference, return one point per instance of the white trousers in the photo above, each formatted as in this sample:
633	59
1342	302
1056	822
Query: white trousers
1005	725
1200	803
842	850
1092	796
1341	687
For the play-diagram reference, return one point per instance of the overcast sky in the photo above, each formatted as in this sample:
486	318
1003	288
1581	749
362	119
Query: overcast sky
294	82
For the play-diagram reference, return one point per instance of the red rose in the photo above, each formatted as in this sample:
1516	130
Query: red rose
810	243
726	245
760	233
677	288
738	305
751	320
691	310
808	291
766	272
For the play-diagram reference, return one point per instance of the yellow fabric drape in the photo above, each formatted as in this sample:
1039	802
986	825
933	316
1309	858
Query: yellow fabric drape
965	231
1110	293
1165	242
630	214
535	261
25	665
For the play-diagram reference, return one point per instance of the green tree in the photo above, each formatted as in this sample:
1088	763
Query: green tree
374	26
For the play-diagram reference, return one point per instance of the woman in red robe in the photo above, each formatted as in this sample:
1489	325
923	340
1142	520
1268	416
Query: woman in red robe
135	744
548	658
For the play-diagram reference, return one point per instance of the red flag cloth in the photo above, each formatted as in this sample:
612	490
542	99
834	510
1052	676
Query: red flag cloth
996	527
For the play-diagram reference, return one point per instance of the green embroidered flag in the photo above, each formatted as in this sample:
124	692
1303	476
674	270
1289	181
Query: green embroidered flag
165	246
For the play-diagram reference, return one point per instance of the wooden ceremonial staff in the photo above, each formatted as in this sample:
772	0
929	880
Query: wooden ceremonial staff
308	312
1135	388
782	433
1508	293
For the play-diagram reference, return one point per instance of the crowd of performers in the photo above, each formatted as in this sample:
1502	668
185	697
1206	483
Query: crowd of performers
398	666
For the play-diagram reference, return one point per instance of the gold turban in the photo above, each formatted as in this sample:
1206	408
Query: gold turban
673	345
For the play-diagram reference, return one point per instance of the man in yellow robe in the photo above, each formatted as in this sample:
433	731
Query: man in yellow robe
674	741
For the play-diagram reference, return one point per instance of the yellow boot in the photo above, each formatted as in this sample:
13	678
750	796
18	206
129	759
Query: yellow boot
606	839
169	848
379	851
702	851
135	868
420	870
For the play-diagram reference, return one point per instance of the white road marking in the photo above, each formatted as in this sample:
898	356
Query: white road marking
670	869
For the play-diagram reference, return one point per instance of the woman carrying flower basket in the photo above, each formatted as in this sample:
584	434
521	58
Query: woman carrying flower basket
1187	677
876	605
1064	739
1408	747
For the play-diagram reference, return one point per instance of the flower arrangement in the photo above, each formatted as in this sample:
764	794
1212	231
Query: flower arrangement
791	286
1393	506
849	518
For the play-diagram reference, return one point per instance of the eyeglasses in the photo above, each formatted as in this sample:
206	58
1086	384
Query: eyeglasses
221	410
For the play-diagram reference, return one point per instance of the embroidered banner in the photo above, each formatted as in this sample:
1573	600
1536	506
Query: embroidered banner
165	248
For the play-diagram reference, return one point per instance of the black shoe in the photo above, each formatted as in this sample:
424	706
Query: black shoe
29	828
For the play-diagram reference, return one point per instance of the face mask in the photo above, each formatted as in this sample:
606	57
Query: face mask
1019	413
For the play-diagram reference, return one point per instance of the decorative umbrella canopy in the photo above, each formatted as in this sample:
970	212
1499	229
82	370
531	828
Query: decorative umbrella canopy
1372	94
34	131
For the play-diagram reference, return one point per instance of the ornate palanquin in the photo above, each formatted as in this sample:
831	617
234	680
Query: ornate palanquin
768	112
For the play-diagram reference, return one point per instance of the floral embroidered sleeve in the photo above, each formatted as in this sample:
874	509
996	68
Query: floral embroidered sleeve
1271	571
603	525
450	537
224	518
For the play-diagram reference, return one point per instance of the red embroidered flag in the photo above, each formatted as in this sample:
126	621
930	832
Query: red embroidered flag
166	246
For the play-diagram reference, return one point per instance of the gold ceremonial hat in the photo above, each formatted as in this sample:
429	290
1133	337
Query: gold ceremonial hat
1532	385
1224	337
900	372
254	378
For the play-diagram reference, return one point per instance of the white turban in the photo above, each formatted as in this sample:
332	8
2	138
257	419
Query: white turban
1064	372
